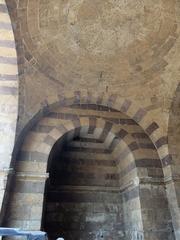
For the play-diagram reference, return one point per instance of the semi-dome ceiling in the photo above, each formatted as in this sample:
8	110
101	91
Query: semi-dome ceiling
95	41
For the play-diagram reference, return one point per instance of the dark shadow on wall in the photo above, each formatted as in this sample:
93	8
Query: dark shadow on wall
81	201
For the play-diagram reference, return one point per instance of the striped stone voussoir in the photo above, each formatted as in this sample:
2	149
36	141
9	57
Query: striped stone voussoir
141	116
134	113
121	145
111	132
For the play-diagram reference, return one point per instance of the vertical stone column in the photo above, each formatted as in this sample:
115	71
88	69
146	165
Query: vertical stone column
133	224
26	203
156	217
8	96
4	176
172	181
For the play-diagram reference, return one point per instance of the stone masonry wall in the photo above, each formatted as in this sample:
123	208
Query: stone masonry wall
111	151
8	98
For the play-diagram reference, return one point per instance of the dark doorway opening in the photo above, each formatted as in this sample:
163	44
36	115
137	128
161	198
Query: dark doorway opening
82	198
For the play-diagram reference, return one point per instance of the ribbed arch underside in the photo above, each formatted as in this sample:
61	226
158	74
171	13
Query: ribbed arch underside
97	151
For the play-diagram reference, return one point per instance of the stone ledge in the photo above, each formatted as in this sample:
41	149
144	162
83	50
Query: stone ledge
170	179
151	180
4	174
31	176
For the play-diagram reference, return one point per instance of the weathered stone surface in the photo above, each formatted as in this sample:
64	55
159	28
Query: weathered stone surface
87	169
117	64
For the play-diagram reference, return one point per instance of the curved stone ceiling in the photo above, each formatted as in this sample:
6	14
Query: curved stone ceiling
90	41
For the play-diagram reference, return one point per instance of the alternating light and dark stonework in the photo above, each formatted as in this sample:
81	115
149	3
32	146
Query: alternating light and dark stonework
105	177
89	118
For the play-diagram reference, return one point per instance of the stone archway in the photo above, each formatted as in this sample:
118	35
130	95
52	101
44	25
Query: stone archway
85	185
143	117
140	169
